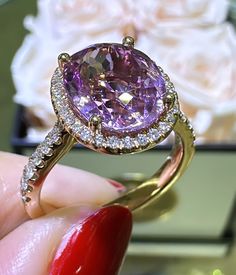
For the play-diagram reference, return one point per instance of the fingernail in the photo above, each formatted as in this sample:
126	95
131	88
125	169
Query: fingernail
120	187
95	245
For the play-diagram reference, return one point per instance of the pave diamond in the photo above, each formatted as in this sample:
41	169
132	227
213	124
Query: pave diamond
113	142
24	185
86	134
129	142
142	139
164	127
77	127
171	117
44	147
99	140
69	119
120	84
36	159
29	171
153	134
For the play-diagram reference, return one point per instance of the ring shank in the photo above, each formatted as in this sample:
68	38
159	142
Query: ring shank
145	193
174	166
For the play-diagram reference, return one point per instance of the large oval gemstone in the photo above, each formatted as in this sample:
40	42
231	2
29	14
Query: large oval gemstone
120	84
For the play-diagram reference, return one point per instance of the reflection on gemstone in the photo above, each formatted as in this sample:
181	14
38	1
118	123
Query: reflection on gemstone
120	84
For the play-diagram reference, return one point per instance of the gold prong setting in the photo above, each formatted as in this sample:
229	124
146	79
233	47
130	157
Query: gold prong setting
63	58
91	135
128	41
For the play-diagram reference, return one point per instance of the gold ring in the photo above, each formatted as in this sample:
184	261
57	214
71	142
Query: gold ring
111	98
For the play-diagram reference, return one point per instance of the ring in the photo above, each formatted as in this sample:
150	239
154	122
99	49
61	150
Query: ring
111	98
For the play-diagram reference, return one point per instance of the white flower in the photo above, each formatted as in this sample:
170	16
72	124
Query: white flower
60	26
187	37
178	13
202	65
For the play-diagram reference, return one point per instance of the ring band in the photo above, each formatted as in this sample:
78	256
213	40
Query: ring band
113	99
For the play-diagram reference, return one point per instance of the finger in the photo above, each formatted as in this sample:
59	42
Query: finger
67	186
64	186
68	242
33	239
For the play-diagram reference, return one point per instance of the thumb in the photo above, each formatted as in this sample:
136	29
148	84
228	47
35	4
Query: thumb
29	248
68	241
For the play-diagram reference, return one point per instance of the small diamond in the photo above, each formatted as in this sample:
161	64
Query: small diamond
160	69
58	86
175	110
54	136
171	90
36	159
190	126
170	117
24	185
169	85
113	142
38	153
85	134
77	127
166	76
99	140
164	127
128	142
44	148
69	119
28	171
142	139
56	93
160	105
60	103
54	80
153	134
64	112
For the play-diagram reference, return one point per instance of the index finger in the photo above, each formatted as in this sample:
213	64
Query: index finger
64	186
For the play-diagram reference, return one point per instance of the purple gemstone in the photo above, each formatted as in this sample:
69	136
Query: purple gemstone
120	84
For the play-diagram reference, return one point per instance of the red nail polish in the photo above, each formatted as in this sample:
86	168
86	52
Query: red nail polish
96	245
117	185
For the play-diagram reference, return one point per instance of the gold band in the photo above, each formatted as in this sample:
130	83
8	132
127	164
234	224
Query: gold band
59	142
174	166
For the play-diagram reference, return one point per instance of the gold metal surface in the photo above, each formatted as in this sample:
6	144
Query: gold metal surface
62	59
128	41
95	123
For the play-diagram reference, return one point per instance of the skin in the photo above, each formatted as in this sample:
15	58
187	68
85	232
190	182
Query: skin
28	246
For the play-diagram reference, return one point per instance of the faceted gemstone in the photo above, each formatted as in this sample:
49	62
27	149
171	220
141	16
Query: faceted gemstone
120	84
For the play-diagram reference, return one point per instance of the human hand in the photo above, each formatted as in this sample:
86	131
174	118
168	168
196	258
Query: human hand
76	236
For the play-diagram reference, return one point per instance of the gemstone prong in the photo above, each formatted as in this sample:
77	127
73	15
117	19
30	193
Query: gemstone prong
95	122
29	189
40	164
102	76
169	100
34	177
128	41
63	58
